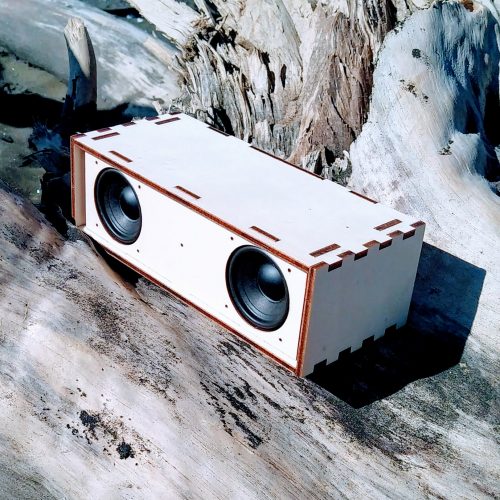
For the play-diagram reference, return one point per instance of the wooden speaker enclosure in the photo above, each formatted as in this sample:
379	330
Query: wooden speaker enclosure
349	262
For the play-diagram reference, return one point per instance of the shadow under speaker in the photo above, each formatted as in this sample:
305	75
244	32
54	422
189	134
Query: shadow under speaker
300	267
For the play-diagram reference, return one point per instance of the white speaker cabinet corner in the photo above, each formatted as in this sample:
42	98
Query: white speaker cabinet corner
342	267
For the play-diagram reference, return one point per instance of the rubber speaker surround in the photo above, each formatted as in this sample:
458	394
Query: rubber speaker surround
257	288
118	206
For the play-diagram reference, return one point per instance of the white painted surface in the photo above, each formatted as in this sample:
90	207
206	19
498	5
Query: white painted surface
188	253
245	188
195	270
361	299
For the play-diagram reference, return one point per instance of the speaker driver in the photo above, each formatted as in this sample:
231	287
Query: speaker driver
118	206
257	288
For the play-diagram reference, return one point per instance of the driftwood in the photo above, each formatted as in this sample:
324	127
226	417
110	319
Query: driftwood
112	388
79	113
440	160
100	371
280	74
132	65
81	98
264	71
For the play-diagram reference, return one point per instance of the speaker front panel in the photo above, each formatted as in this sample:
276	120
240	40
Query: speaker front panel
261	297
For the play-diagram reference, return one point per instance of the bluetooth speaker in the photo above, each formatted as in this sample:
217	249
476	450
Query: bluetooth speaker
298	266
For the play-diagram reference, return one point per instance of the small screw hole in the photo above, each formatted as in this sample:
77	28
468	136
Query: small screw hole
289	270
182	244
97	225
232	238
281	340
226	306
137	250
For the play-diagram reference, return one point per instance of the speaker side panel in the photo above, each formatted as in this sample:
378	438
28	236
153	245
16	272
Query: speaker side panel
361	299
77	184
188	253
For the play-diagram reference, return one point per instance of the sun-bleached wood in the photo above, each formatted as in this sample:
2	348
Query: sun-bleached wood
132	65
205	416
433	161
265	70
82	81
280	75
81	97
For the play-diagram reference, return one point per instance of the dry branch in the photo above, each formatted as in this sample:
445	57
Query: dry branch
81	98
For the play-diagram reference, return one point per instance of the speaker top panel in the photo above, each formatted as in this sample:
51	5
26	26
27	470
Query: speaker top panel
292	212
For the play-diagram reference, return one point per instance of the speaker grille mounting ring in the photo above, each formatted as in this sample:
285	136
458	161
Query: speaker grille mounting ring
257	288
118	206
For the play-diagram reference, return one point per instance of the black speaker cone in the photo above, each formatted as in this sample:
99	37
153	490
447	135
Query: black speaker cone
257	288
118	206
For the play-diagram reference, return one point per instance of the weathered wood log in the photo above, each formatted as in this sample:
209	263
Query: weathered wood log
430	145
133	66
279	74
111	389
174	19
78	114
120	373
81	98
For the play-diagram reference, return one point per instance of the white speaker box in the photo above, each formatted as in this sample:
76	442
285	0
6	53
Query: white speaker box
300	267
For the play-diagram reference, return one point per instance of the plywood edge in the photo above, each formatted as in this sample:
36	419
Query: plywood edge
363	196
306	317
386	241
186	301
77	175
192	205
303	170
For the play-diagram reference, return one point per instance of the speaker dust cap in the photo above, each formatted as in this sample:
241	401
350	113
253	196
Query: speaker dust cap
257	288
118	206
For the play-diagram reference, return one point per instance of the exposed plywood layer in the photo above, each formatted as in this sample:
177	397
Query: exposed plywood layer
245	189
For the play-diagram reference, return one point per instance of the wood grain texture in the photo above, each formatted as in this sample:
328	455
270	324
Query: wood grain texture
90	363
82	79
132	66
278	74
430	146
